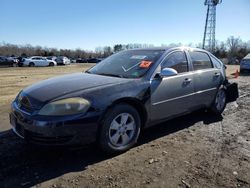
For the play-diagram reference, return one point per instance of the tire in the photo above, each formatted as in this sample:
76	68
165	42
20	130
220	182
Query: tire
31	64
120	129
219	102
51	64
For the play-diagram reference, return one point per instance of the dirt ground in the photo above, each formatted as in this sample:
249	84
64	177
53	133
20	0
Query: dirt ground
197	150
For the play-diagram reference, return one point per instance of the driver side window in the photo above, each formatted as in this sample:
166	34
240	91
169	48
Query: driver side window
177	61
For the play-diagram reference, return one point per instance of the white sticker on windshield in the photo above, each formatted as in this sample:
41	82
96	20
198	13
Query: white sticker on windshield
126	70
138	57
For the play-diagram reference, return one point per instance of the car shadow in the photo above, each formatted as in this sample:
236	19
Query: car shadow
25	165
178	124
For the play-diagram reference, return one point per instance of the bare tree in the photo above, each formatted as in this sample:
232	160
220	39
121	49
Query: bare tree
117	47
233	44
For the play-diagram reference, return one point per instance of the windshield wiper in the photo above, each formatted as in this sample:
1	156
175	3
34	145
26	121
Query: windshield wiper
109	74
87	71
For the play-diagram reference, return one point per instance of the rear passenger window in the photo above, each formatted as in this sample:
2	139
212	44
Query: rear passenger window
200	60
177	61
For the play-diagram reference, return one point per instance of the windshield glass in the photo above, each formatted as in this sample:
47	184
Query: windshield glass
127	64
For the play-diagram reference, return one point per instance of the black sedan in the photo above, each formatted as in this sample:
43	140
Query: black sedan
118	97
81	60
93	60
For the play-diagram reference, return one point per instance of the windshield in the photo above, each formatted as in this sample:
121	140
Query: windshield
127	64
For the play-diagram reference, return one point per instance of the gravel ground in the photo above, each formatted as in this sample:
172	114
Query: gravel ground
197	150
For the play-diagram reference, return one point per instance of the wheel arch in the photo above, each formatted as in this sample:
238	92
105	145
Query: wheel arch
135	103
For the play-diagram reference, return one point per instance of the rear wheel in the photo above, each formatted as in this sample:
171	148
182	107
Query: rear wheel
31	64
120	129
51	64
219	103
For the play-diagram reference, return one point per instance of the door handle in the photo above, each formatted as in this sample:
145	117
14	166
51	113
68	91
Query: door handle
187	80
216	74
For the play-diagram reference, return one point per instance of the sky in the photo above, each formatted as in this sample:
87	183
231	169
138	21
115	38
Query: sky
87	24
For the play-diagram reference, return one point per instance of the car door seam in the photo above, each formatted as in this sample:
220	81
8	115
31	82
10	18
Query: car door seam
175	98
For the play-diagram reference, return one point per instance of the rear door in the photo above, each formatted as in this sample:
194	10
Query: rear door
207	78
171	96
35	60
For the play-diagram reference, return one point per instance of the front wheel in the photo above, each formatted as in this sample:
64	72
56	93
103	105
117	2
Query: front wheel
120	129
219	103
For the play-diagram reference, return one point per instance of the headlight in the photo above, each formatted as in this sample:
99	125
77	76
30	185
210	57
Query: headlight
63	107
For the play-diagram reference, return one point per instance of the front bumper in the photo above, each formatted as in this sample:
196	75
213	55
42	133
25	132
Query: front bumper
69	130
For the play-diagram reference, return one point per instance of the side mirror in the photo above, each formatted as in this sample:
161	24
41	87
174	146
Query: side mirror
166	72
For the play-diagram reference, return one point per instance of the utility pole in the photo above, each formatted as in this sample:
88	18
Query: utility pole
210	25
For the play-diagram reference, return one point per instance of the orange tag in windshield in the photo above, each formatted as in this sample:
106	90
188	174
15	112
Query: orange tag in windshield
145	64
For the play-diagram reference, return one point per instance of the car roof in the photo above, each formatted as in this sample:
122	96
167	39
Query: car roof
247	56
36	56
154	48
172	48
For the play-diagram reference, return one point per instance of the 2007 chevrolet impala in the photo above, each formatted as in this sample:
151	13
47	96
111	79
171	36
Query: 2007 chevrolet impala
116	98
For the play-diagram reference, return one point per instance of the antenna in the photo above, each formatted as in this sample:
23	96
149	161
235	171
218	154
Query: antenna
210	25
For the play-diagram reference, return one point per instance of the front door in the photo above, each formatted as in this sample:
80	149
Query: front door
171	96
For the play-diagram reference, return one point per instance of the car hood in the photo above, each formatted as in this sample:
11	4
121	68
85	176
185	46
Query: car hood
53	88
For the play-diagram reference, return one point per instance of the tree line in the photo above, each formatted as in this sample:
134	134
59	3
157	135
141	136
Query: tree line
233	48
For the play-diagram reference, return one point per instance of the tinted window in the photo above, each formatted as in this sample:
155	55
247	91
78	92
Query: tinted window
177	61
200	60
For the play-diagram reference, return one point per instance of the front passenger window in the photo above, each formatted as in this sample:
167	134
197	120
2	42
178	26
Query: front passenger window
177	61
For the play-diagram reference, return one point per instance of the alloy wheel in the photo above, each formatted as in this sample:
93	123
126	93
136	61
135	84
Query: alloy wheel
122	130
